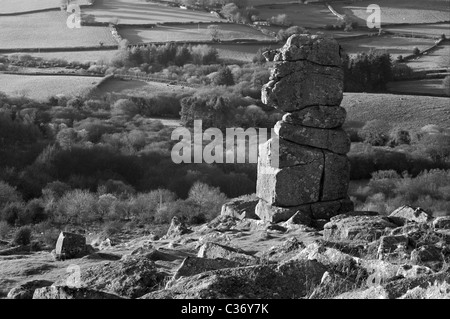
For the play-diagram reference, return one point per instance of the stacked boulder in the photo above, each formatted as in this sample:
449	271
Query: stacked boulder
304	169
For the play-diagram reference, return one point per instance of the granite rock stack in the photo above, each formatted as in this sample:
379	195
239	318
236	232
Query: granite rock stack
310	175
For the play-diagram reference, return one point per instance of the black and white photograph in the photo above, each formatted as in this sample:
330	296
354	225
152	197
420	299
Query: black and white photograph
219	157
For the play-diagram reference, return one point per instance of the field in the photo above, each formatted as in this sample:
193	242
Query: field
423	29
405	111
42	87
192	32
49	30
440	58
141	12
315	15
16	6
240	52
428	87
137	88
394	45
399	11
76	56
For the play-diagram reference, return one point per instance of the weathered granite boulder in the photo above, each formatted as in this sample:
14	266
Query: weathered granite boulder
70	245
442	222
193	265
318	116
287	280
306	85
290	186
407	214
26	290
64	292
314	48
241	207
213	250
357	227
336	140
176	229
132	276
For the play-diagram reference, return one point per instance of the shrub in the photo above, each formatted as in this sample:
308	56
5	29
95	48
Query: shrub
22	236
125	107
77	206
112	228
224	77
399	137
416	51
55	190
11	212
4	229
50	237
8	194
375	132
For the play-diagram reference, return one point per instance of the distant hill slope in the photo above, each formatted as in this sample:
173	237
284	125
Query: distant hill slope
405	111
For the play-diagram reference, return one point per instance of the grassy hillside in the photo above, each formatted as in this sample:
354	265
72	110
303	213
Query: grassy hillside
140	12
405	111
49	30
42	87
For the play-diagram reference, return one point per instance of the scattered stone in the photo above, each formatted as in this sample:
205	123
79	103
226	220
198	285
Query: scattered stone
70	245
405	214
288	249
176	229
132	276
299	218
223	223
153	254
373	292
15	250
287	280
365	228
397	288
105	244
413	271
326	210
389	244
442	222
275	214
332	285
64	292
193	265
102	256
241	207
213	250
425	255
26	290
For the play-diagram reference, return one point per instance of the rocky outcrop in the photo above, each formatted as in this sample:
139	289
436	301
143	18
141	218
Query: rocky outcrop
176	229
407	214
357	227
287	280
132	276
213	250
242	207
64	292
193	265
26	290
303	169
70	245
